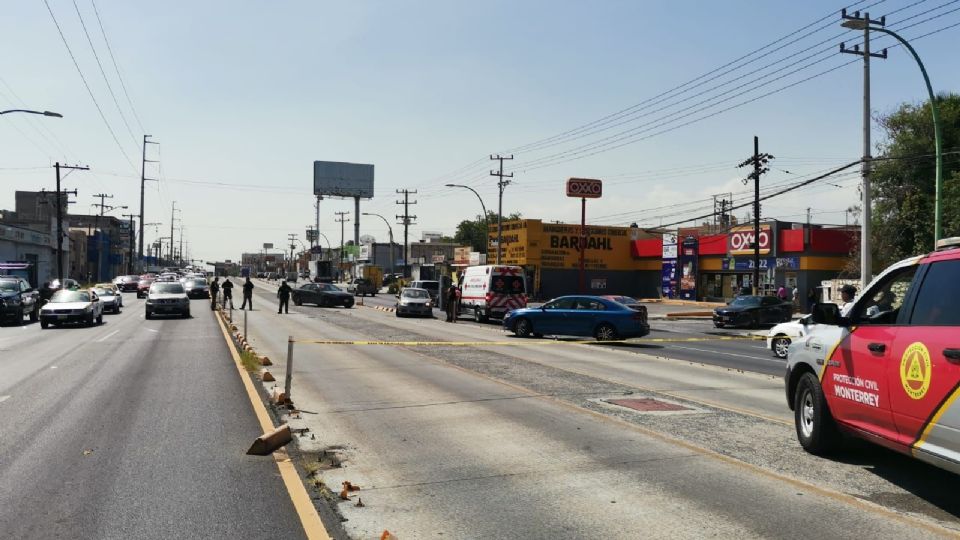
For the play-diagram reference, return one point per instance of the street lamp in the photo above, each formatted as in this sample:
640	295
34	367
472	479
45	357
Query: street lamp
42	113
390	229
486	223
863	24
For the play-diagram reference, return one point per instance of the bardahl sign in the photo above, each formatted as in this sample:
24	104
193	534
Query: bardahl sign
585	188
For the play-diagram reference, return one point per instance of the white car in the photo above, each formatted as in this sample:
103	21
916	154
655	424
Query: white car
782	335
111	299
72	306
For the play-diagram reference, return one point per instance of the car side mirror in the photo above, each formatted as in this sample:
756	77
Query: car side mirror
827	313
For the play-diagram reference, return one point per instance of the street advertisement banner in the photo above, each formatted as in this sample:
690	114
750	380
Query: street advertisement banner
746	263
688	268
461	256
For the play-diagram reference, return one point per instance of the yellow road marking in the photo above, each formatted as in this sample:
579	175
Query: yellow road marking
302	503
518	342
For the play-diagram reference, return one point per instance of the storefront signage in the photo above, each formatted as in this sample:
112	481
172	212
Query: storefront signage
668	267
584	188
688	268
740	240
437	259
461	256
598	284
746	263
669	246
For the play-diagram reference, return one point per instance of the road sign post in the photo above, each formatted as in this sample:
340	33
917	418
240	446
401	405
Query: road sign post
584	188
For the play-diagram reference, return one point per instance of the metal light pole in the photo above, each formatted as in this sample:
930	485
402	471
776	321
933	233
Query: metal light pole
390	230
863	24
486	218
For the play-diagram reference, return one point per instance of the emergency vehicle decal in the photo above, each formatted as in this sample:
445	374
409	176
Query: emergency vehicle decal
938	412
915	370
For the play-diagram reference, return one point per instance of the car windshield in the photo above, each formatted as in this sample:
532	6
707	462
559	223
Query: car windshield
166	288
429	285
103	292
746	301
8	286
61	297
196	282
415	293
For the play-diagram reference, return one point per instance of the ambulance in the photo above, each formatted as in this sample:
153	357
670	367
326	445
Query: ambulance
889	372
490	291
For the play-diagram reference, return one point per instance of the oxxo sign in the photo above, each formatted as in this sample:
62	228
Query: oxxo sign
584	188
740	240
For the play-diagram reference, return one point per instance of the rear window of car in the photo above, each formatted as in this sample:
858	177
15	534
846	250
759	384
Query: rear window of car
166	288
507	284
939	296
415	293
70	296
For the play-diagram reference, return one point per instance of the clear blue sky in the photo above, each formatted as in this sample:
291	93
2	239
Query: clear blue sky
246	94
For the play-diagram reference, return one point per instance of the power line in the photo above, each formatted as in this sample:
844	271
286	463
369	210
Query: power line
87	86
104	73
116	67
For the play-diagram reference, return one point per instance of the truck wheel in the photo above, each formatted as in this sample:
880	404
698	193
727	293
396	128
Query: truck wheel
815	428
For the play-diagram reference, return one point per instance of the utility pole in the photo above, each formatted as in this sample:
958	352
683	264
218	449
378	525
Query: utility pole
97	234
173	210
405	220
759	162
316	237
341	219
292	238
130	253
143	181
60	194
865	165
501	184
180	255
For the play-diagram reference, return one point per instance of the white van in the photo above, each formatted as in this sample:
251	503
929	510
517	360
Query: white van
491	291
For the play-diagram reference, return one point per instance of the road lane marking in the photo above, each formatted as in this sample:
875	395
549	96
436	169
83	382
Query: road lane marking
782	362
4	398
302	503
108	336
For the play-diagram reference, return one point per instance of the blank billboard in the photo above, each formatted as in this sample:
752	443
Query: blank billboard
337	179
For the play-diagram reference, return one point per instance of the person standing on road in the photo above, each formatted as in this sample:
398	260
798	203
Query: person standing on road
811	298
283	293
247	294
227	292
214	291
451	304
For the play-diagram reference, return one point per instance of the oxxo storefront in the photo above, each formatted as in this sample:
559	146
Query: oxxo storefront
698	266
550	255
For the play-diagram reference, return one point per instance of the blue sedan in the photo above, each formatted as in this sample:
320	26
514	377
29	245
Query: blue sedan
579	316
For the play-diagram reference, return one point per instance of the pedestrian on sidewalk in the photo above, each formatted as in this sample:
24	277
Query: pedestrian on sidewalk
452	304
283	293
227	292
214	291
247	294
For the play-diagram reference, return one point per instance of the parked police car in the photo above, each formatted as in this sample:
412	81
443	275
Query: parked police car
890	371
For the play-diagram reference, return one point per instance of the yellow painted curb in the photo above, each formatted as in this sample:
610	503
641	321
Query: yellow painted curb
309	518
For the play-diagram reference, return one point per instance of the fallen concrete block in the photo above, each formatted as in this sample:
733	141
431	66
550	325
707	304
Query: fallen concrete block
267	376
265	361
267	443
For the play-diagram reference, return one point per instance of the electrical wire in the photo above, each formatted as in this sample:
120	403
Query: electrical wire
117	67
87	86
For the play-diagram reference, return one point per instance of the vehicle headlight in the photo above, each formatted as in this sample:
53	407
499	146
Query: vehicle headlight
429	304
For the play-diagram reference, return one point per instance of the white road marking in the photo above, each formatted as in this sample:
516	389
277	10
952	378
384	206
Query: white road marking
53	367
106	337
152	330
4	398
729	354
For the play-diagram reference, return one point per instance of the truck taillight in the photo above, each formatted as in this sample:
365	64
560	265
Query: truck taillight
489	297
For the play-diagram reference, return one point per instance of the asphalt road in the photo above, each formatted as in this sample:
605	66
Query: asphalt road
499	437
132	429
680	340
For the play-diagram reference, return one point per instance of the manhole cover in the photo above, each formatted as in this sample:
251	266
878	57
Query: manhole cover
647	405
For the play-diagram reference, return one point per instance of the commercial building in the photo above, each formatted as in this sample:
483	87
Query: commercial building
697	264
550	255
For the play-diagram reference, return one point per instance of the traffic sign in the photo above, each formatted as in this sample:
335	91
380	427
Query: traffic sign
584	188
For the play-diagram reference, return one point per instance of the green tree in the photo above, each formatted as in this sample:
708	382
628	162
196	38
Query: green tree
904	180
473	232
